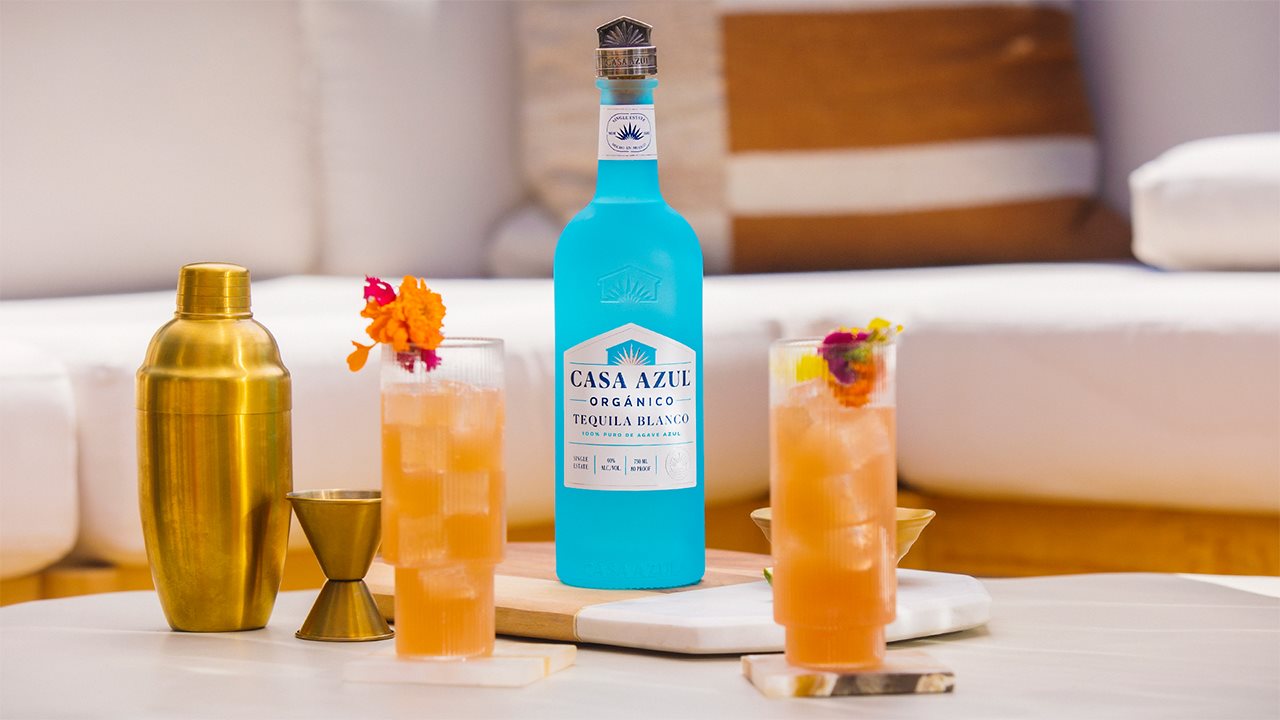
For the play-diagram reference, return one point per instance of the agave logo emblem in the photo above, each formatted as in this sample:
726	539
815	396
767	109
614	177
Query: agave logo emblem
631	353
629	133
629	285
623	34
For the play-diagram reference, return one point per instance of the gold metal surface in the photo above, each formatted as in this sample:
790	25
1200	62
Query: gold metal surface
910	523
214	456
344	528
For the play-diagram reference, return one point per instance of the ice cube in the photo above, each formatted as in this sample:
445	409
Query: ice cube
402	406
788	544
789	424
860	436
439	399
419	539
457	582
804	393
476	431
846	499
423	449
466	493
477	411
855	548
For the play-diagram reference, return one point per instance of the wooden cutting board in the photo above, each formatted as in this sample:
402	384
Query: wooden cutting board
531	602
730	611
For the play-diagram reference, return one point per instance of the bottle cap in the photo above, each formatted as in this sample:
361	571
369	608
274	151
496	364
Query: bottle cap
625	49
211	288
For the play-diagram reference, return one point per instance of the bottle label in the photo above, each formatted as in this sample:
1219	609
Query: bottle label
630	412
627	132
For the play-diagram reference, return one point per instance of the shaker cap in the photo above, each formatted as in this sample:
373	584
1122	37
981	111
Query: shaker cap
213	288
213	358
625	49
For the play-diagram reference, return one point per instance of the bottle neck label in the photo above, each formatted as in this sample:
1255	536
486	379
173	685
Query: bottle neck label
627	132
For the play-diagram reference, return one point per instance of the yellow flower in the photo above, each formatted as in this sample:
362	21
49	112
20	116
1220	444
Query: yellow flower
811	367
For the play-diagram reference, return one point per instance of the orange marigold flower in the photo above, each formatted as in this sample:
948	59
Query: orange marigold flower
359	357
413	317
423	313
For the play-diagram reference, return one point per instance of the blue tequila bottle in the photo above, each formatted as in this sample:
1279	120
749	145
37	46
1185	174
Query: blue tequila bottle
628	301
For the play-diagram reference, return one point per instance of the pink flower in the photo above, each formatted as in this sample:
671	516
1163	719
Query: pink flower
378	291
838	350
429	358
838	337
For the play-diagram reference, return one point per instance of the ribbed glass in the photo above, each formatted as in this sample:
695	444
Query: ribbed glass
446	610
833	484
478	362
443	489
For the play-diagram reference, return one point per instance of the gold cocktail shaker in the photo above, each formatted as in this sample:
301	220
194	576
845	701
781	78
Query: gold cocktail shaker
214	456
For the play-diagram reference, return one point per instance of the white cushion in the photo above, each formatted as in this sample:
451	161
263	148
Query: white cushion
38	500
335	417
1095	383
1090	383
1210	204
1161	73
417	121
138	136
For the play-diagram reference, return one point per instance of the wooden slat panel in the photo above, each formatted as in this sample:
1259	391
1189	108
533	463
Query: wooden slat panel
21	589
988	537
1040	231
809	80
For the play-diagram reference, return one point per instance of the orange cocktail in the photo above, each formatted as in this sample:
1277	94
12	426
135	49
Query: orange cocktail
833	492
443	525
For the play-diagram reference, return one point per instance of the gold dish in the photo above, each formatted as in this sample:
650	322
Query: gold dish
911	522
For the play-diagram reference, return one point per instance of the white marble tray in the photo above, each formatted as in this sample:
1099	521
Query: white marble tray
739	618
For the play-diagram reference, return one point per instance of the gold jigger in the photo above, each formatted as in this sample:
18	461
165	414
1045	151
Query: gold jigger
344	527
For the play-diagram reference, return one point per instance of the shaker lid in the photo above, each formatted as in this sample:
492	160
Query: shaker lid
213	358
625	49
213	288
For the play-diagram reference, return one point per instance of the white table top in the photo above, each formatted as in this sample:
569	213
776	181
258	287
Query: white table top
1124	646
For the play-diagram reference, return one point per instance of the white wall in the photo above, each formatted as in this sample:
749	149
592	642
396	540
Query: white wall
1162	72
138	136
417	135
291	137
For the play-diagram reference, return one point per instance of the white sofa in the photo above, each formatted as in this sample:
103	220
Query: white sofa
39	499
317	142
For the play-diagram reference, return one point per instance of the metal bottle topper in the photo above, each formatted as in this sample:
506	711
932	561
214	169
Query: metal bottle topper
625	49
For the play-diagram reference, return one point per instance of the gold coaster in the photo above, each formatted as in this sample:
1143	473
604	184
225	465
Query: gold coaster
513	664
903	672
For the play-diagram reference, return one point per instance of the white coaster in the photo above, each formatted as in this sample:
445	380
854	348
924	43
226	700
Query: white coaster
513	664
903	672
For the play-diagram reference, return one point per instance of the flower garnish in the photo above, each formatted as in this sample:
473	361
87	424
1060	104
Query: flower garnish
409	321
846	360
378	290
